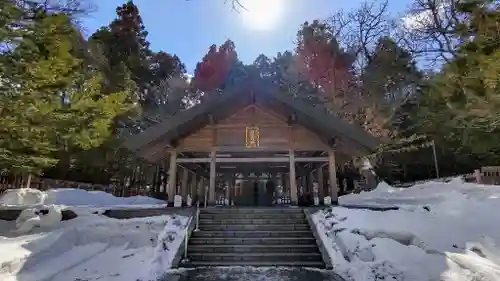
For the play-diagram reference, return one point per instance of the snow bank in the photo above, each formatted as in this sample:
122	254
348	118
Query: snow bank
452	194
23	196
70	197
32	217
169	240
442	231
94	248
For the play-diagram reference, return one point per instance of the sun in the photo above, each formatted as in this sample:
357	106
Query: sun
261	14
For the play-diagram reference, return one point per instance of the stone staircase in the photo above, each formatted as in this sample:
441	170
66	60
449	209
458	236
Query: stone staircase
253	237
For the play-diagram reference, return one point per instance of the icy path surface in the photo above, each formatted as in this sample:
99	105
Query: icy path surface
93	248
442	231
252	274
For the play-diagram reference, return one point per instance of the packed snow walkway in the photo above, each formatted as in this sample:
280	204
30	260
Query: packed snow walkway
252	274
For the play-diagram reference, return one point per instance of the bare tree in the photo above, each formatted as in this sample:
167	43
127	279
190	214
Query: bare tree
76	9
429	30
70	7
235	4
359	30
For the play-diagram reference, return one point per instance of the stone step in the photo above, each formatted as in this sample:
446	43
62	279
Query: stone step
245	249
233	216
255	227
255	257
252	221
253	241
240	210
314	264
251	234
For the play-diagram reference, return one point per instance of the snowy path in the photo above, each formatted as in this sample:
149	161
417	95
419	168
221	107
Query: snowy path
252	274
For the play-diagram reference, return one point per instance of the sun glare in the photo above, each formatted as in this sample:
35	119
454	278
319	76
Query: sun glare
262	14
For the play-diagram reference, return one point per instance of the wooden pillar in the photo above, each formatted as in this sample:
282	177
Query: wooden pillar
332	175
319	178
184	183
211	188
310	182
172	176
280	182
163	178
192	186
293	180
285	184
230	186
201	190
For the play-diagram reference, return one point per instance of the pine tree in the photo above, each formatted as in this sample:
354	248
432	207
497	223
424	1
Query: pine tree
51	104
464	97
390	80
125	47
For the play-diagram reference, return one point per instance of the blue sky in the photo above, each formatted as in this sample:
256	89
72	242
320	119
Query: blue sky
188	27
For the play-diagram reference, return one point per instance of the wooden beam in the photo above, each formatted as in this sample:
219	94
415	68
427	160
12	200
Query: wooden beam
238	126
252	160
198	167
197	170
253	149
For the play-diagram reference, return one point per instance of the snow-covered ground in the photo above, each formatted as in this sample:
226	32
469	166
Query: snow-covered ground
442	231
27	197
39	246
92	247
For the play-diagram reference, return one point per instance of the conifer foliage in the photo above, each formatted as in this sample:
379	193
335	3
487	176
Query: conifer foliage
214	68
48	102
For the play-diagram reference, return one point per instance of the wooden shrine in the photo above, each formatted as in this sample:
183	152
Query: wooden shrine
227	137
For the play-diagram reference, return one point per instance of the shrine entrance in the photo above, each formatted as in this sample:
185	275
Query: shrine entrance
254	192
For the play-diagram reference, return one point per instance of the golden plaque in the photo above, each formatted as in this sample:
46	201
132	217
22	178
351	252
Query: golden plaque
252	137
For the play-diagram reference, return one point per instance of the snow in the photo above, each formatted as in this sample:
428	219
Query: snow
33	217
93	247
27	197
441	231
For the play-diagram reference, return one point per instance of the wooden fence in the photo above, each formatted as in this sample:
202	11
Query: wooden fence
489	175
46	183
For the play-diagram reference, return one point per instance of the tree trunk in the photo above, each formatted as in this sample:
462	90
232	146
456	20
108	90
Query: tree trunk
28	181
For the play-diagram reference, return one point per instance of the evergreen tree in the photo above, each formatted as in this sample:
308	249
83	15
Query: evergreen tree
467	88
390	80
125	48
50	104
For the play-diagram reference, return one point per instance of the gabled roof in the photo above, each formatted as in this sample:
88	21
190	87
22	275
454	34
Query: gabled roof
222	105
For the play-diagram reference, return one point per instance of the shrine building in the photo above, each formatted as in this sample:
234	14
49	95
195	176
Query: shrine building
255	148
